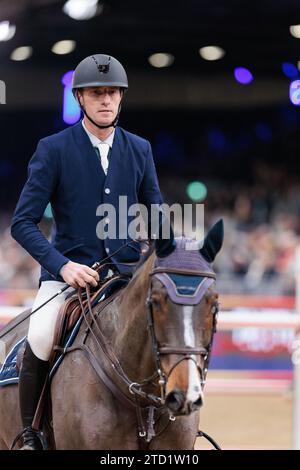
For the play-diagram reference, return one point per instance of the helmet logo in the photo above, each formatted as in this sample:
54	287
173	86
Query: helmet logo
103	68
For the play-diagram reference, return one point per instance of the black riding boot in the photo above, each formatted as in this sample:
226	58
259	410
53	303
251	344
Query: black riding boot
31	380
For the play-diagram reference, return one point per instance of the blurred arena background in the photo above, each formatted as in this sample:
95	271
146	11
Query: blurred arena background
215	88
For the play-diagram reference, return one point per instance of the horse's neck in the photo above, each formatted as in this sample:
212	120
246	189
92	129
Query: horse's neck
132	340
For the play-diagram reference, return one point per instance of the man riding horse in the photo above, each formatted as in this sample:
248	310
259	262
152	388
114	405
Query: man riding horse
76	170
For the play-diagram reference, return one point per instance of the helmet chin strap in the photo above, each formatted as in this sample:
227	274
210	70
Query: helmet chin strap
112	124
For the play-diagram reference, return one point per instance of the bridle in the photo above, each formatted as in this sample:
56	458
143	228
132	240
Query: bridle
186	353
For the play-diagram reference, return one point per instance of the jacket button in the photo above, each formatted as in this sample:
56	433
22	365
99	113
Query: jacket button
107	190
107	250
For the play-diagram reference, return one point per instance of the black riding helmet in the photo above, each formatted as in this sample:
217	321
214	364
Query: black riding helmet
99	70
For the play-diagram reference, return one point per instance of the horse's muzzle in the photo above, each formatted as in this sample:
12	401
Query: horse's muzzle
178	404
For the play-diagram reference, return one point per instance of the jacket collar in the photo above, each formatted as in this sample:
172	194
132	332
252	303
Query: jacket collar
83	139
95	140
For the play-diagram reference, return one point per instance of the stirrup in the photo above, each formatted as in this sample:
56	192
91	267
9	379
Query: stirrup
36	435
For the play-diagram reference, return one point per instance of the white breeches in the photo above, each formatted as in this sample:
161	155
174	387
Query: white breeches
42	323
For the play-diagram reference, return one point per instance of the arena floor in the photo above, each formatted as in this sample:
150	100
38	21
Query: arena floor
247	420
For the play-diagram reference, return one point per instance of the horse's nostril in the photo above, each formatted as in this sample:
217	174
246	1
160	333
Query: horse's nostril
175	400
198	403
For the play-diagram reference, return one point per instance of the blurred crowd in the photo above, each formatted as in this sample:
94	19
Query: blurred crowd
262	229
262	233
18	270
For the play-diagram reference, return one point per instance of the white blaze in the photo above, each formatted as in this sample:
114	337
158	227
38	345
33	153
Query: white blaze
194	387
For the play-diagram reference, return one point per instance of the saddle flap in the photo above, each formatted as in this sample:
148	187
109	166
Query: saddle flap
70	311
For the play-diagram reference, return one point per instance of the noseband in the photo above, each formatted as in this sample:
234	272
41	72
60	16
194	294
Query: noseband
186	353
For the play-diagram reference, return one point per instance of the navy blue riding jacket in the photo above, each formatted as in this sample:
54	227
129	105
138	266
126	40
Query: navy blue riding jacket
65	170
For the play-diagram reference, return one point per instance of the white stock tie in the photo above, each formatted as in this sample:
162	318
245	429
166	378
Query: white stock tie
103	150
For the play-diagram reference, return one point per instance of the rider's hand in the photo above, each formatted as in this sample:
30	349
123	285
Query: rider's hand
79	275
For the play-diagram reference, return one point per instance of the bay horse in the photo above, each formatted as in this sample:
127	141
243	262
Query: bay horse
136	379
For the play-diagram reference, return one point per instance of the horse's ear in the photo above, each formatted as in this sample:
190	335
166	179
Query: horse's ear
213	242
164	246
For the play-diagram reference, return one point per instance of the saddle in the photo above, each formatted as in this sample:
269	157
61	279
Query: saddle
71	310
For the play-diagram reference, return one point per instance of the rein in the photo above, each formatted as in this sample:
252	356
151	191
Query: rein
102	342
137	399
98	266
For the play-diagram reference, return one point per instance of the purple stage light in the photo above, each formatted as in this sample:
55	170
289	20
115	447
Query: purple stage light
289	70
71	109
243	75
295	92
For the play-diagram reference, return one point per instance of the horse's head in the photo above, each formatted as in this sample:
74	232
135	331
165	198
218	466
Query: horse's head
182	309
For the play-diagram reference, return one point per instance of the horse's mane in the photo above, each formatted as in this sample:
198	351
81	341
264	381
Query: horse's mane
144	256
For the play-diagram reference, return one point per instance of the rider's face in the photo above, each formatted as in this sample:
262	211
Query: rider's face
101	103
